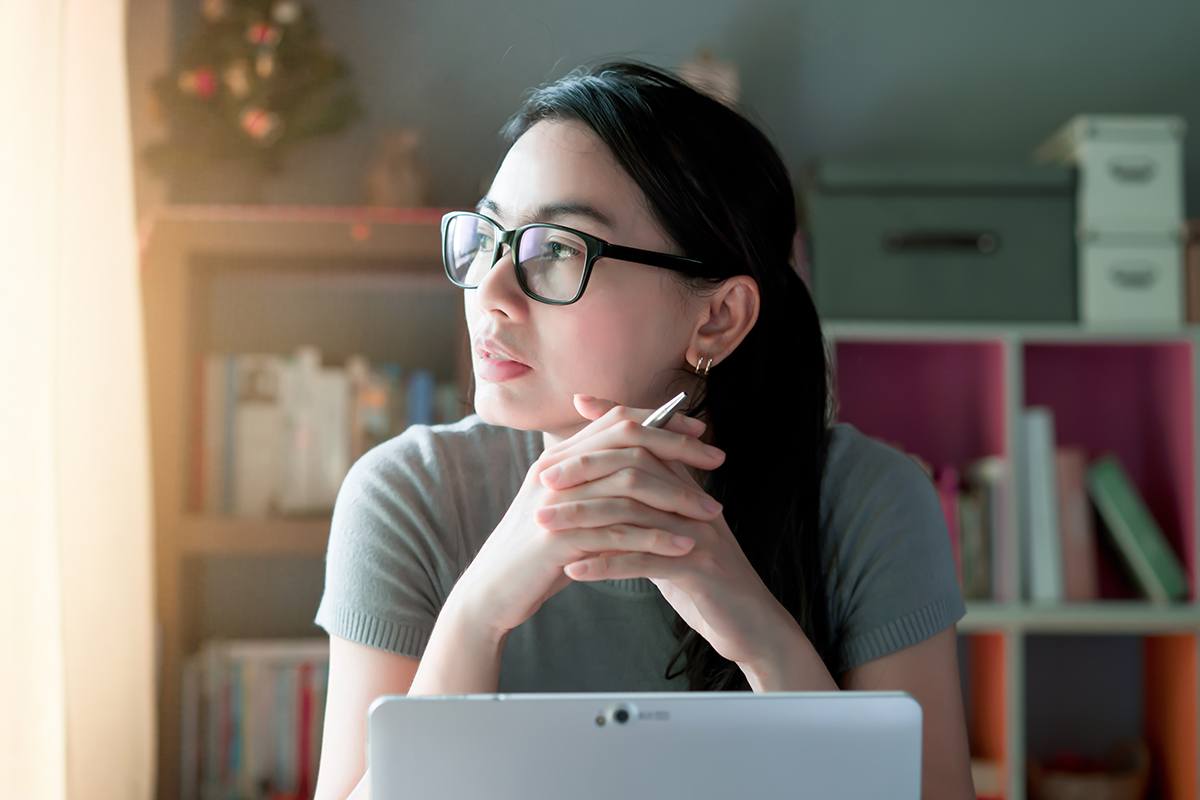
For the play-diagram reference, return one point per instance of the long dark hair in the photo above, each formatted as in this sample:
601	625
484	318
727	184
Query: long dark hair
719	189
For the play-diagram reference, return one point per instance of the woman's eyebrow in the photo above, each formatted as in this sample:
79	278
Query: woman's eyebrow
550	211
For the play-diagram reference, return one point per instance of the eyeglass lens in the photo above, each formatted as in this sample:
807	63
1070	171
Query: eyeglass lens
551	261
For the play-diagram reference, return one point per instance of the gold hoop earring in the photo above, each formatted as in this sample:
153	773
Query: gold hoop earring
706	366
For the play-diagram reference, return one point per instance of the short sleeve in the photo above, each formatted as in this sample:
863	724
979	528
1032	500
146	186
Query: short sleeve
393	547
894	583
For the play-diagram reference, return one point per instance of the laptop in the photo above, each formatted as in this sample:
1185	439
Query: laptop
661	745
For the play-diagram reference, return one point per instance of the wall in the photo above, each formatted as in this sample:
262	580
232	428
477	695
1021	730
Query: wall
823	77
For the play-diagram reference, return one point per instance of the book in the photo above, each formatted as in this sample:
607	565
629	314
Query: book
1139	539
316	450
258	433
421	397
1044	547
1080	581
229	367
946	481
276	434
197	467
212	439
976	562
190	727
370	407
991	475
260	714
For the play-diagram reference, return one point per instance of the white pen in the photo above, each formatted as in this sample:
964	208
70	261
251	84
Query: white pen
663	413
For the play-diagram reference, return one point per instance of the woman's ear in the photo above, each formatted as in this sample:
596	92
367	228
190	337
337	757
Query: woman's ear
732	311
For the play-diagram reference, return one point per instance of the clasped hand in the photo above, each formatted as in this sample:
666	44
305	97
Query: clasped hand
620	485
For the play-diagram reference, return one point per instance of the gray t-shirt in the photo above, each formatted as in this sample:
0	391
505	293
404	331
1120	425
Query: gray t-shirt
412	513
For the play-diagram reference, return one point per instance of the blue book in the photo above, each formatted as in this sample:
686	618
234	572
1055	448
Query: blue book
421	387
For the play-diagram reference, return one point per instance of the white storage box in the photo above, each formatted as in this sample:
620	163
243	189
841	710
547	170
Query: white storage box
1131	279
1130	169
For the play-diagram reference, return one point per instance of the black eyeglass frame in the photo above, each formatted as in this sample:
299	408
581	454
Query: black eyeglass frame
596	248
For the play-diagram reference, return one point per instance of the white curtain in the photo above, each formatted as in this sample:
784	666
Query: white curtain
77	657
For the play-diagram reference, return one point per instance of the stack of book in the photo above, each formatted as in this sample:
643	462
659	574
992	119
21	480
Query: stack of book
975	503
276	435
1062	495
253	712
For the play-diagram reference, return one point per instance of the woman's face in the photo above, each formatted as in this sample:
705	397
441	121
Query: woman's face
622	338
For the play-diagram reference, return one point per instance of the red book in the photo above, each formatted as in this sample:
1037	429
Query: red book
1075	526
304	756
946	481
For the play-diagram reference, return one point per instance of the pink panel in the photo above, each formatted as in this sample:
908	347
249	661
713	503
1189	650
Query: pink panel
943	401
1136	401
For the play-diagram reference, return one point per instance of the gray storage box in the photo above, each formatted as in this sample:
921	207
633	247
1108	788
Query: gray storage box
939	241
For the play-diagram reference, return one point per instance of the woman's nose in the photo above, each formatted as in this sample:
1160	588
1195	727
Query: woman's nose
501	276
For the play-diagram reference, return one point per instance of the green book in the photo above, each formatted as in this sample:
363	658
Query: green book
1140	540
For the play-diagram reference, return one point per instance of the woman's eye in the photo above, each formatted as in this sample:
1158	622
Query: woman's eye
485	243
560	250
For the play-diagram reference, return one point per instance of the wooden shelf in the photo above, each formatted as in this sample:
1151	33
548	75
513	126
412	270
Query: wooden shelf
201	535
1104	617
857	330
344	265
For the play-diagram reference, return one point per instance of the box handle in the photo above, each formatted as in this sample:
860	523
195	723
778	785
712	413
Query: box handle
982	242
1136	275
1131	169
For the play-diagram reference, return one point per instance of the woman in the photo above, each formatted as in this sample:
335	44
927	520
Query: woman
634	242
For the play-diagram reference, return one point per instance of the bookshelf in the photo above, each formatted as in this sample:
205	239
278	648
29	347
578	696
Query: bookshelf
1039	678
365	280
243	279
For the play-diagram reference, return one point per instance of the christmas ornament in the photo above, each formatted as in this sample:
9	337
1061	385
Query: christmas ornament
201	82
237	78
261	125
264	65
285	12
263	34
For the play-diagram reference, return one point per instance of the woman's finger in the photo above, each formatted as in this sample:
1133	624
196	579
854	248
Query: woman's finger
629	565
655	487
678	423
580	543
594	464
595	512
666	444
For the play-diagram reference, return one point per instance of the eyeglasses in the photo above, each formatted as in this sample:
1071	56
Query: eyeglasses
552	262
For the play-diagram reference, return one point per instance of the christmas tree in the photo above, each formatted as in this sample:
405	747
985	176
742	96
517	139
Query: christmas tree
253	78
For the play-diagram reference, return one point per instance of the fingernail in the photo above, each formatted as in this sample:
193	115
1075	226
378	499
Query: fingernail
711	505
715	452
681	542
552	474
585	397
579	568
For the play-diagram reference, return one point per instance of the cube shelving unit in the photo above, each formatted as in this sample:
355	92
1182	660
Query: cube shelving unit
1081	677
239	279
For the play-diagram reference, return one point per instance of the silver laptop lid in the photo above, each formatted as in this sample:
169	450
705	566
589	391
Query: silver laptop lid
693	745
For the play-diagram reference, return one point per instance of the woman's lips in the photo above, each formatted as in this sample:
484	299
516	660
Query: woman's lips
496	369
